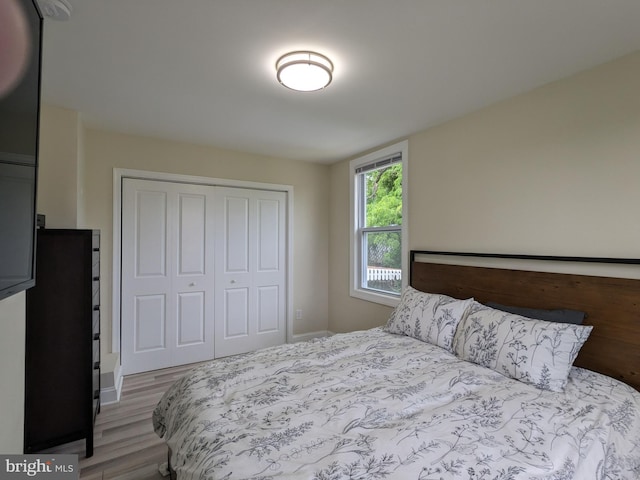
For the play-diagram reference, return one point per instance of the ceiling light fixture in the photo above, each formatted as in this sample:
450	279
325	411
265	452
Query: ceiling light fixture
304	71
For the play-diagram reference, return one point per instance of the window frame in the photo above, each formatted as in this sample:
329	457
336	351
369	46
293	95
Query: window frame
356	221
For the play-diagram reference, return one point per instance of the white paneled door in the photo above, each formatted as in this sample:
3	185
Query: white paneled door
203	272
250	300
167	274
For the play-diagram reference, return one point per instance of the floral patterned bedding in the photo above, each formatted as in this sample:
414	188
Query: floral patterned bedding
374	405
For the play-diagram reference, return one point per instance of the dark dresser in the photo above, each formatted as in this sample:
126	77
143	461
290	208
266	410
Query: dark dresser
62	384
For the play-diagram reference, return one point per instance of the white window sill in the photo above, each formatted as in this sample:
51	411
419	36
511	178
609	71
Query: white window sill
372	296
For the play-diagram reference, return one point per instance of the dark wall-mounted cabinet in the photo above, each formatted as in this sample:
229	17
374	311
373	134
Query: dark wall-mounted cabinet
62	384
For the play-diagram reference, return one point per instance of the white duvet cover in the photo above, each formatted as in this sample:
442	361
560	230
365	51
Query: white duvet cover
373	405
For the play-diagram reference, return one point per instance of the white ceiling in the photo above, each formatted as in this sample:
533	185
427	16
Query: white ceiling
202	71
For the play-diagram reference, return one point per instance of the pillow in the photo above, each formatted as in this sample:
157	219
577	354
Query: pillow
562	315
533	351
429	317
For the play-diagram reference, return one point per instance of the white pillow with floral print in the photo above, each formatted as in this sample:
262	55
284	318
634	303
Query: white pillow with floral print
429	317
532	351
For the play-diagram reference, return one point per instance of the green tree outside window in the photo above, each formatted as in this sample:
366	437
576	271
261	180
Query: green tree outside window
384	209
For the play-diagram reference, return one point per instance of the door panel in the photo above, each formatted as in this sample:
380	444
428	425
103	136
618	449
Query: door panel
167	275
250	259
268	309
150	234
235	221
236	314
192	235
191	320
150	320
268	235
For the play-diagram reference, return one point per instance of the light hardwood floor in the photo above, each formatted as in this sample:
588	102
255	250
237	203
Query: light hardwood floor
126	447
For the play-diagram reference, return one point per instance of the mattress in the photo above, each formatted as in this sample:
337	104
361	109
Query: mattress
375	405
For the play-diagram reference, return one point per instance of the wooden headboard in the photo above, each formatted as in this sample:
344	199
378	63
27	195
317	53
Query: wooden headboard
612	305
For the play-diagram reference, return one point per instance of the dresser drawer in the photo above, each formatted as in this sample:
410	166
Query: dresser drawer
95	288
96	350
96	381
95	324
96	408
95	268
96	298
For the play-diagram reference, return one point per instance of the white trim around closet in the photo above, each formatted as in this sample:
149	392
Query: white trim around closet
120	173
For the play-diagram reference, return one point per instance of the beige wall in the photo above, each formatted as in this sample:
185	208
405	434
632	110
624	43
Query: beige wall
60	167
12	351
555	171
105	151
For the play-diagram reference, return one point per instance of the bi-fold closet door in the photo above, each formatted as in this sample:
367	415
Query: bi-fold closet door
203	272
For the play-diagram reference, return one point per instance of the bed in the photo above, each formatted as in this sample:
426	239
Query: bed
449	388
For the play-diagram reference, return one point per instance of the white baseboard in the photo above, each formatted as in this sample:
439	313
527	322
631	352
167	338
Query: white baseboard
303	337
110	380
110	395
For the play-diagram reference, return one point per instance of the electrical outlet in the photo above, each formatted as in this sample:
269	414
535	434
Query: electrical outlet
298	314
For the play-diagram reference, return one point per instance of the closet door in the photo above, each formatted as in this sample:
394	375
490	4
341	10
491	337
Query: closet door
250	270
167	274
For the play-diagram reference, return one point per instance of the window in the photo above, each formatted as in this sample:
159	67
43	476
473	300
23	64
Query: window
379	254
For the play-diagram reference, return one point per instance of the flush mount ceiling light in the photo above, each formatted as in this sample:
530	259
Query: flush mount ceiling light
304	71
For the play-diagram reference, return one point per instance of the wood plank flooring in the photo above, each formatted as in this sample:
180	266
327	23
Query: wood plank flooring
125	445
